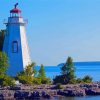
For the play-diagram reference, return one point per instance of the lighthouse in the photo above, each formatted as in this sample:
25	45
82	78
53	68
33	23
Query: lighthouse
15	42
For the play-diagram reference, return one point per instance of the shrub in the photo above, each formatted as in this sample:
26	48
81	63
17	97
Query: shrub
72	81
59	86
25	79
26	76
3	63
87	79
45	81
79	80
7	81
60	79
36	81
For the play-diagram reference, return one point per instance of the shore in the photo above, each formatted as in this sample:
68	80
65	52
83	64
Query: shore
49	91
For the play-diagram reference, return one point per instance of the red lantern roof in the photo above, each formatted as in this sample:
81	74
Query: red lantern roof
15	10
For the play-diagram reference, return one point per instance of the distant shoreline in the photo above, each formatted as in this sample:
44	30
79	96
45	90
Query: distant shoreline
84	63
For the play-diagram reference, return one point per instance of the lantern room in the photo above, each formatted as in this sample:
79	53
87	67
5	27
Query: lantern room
15	12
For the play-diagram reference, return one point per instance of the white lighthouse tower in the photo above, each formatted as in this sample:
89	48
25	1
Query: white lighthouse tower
15	42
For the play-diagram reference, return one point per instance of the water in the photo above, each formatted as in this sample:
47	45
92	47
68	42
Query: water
81	71
78	98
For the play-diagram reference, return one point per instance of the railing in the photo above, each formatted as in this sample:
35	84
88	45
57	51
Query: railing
5	21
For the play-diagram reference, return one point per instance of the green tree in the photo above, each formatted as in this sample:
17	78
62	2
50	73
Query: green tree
67	73
87	79
42	76
1	39
79	80
26	76
42	72
3	63
7	81
69	70
29	70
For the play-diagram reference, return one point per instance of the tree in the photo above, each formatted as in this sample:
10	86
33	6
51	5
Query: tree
69	70
1	39
7	81
42	72
60	79
29	70
87	79
3	63
79	80
67	73
42	76
26	76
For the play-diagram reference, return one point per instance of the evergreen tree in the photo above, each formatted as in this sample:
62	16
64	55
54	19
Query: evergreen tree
67	73
68	70
42	76
29	70
87	79
5	80
1	39
42	72
3	63
26	76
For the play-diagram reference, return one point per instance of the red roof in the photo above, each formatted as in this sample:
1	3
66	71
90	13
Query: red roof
15	10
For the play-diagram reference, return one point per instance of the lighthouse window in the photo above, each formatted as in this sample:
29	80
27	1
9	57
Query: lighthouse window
15	47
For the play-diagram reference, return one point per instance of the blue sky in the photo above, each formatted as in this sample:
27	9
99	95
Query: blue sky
59	28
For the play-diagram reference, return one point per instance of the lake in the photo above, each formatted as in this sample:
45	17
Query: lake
80	71
78	98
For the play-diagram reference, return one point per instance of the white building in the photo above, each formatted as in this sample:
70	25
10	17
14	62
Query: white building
15	42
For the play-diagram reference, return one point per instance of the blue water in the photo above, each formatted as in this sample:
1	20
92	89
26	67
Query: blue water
80	71
78	98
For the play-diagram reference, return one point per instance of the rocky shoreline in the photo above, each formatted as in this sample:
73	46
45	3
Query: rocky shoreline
48	91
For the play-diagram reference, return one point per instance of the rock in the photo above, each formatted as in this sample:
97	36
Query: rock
21	95
47	96
72	92
44	95
35	95
15	88
1	97
92	92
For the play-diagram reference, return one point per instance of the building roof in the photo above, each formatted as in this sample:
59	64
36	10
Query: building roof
15	9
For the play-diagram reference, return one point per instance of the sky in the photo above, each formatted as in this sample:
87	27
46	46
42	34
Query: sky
57	29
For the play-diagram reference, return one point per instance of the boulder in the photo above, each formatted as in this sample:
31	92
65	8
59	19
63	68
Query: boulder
92	92
72	92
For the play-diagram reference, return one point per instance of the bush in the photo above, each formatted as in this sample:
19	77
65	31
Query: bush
60	79
25	79
79	80
45	81
87	79
26	76
59	86
72	81
36	81
7	81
